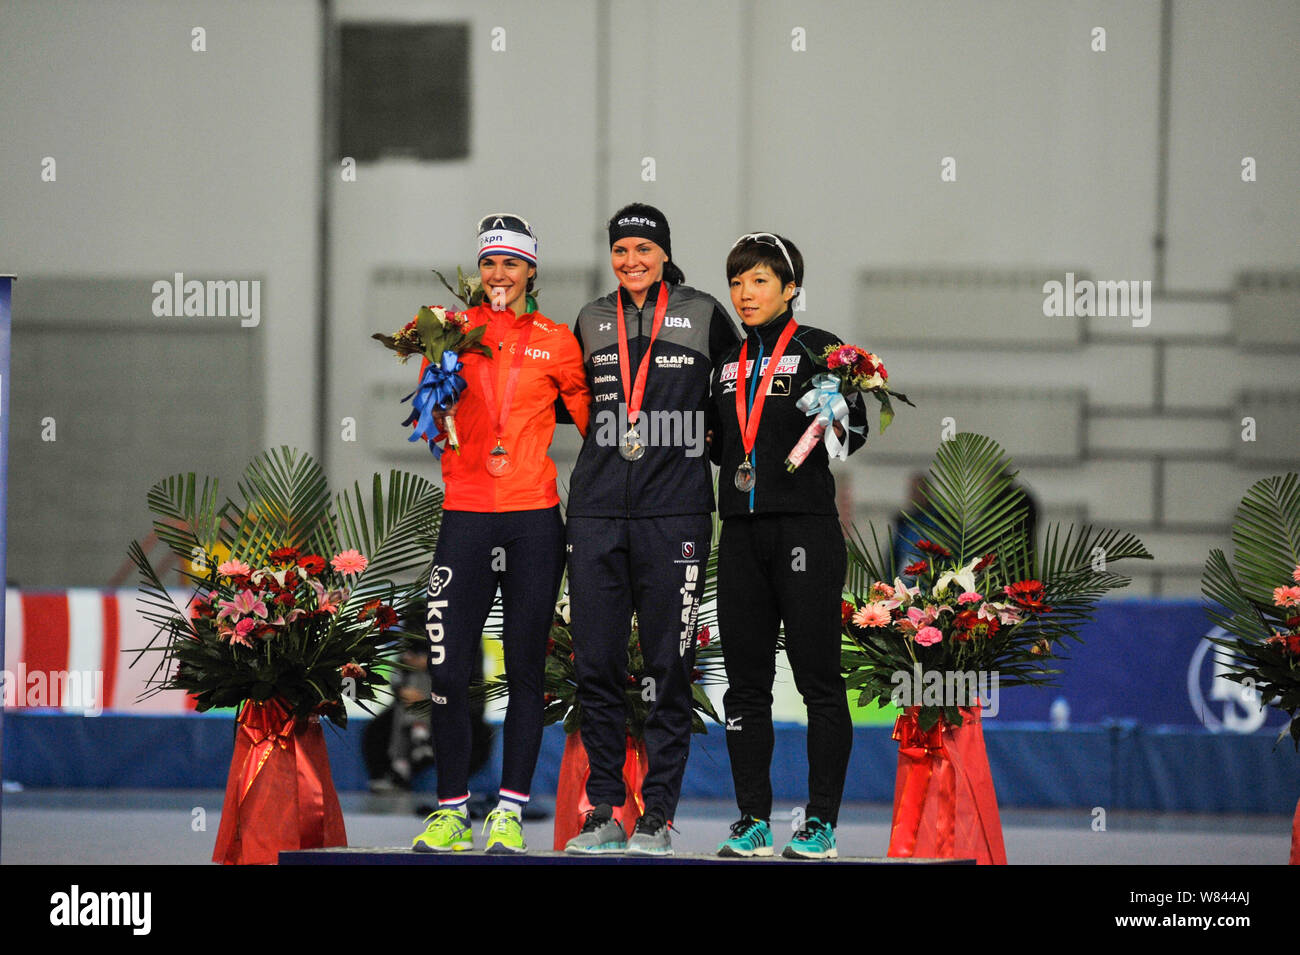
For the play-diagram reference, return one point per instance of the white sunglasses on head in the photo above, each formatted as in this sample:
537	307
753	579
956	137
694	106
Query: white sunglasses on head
489	221
768	238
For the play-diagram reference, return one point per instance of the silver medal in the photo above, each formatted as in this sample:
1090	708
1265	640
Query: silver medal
631	447
745	477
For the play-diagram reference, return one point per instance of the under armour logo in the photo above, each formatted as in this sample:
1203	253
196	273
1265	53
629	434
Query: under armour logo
438	699
606	326
733	723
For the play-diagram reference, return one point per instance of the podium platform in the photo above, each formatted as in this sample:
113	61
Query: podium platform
399	855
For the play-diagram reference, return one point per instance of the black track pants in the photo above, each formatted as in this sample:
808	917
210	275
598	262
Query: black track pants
655	566
523	552
774	568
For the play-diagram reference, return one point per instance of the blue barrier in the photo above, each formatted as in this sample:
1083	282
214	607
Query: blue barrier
1120	766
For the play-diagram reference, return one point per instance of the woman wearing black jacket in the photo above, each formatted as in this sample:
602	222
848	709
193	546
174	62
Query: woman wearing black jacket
782	556
639	521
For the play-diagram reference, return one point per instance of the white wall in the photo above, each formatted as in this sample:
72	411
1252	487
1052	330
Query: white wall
208	163
170	160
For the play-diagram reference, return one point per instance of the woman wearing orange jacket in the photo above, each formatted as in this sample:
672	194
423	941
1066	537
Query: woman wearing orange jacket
501	527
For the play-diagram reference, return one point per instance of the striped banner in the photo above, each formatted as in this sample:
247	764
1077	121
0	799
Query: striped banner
72	650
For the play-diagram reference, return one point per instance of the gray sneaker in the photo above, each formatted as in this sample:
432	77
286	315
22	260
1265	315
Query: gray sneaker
651	836
601	834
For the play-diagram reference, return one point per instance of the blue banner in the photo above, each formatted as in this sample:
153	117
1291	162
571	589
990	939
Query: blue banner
1147	661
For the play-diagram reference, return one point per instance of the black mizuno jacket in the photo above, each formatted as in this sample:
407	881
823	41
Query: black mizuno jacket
673	476
810	489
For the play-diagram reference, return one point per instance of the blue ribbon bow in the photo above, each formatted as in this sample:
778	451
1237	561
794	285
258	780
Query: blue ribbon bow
439	388
825	402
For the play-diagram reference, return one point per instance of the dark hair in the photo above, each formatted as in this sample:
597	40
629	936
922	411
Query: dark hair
754	252
662	237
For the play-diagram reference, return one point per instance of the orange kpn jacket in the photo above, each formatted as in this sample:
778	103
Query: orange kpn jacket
552	367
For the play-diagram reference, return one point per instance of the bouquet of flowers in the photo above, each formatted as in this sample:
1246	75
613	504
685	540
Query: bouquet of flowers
277	620
846	370
983	603
441	337
1257	596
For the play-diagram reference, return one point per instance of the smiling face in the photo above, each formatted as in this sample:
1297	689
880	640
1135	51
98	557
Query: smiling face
508	273
758	297
638	264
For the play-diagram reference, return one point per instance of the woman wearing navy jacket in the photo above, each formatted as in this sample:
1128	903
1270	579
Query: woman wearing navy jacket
781	558
640	520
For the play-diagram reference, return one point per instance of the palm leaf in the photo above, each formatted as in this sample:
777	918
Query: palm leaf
191	519
971	504
397	535
287	504
1266	535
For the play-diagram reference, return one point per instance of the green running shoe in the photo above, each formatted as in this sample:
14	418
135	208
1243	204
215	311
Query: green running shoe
749	837
815	840
446	830
505	833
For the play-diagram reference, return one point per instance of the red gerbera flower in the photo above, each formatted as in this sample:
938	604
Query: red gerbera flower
847	610
312	563
1028	594
984	562
284	555
932	548
704	637
919	567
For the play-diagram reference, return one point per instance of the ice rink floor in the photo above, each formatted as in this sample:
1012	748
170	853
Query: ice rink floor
179	827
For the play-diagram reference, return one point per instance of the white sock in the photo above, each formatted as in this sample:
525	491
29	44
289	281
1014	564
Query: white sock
509	806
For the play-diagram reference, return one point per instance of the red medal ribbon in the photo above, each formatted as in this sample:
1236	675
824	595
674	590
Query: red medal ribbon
487	378
749	420
634	395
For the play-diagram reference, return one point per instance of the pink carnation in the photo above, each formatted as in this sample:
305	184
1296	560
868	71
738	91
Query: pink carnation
234	568
969	597
928	636
1286	596
872	615
349	562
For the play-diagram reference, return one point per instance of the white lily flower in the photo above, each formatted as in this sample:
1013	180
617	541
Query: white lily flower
964	577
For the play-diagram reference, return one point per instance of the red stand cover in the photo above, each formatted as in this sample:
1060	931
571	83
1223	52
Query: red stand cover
1295	836
279	794
944	803
571	805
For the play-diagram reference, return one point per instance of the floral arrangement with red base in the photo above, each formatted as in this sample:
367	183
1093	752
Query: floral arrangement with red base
283	633
983	603
1256	599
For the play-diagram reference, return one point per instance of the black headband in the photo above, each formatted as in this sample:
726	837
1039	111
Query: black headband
650	225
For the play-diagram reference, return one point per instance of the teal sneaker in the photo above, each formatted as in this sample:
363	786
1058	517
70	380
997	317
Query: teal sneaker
446	830
816	840
749	837
505	833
